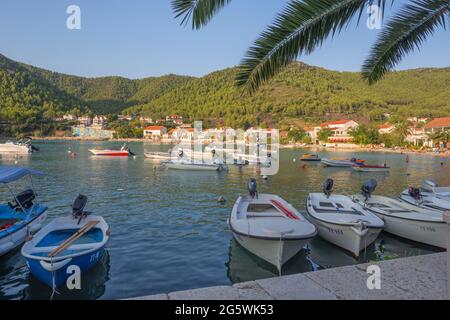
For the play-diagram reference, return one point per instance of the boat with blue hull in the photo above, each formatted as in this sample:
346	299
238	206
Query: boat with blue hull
22	217
78	240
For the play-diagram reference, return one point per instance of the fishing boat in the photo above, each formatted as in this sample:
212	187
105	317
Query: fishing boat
76	240
432	188
124	151
342	221
425	200
310	157
23	216
370	168
183	164
22	146
403	219
342	163
269	227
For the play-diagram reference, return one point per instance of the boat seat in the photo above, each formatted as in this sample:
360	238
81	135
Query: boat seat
278	229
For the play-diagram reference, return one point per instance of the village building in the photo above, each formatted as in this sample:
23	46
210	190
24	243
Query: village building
99	122
147	120
340	131
125	117
175	119
417	137
85	121
386	128
154	132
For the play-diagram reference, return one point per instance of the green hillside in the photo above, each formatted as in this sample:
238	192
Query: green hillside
31	97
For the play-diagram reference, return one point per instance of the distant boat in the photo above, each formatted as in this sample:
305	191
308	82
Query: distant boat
158	155
425	200
21	217
269	227
368	168
193	166
310	157
22	146
124	151
77	240
342	163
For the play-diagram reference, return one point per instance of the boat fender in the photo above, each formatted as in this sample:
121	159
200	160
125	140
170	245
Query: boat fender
51	267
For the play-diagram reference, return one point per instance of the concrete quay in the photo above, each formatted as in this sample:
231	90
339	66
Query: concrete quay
412	278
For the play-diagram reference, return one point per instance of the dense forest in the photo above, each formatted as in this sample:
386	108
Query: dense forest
31	97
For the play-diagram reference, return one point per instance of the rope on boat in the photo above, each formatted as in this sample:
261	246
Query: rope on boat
54	289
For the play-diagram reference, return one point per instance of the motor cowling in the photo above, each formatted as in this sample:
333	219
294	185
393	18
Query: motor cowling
328	187
368	188
78	205
252	188
429	185
414	193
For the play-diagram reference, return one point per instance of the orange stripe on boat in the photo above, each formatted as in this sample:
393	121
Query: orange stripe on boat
287	212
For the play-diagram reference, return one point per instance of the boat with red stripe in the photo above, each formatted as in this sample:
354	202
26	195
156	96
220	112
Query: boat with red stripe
269	227
124	151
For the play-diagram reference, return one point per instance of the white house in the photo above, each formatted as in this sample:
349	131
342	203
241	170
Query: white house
99	121
154	132
85	121
386	128
340	130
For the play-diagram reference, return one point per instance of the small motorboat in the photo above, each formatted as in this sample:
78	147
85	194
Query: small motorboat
370	168
342	163
124	151
22	146
310	157
269	227
22	217
342	221
430	187
425	200
404	219
76	240
183	164
161	156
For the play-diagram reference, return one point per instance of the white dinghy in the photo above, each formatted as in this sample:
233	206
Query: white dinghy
432	188
404	219
342	221
345	163
269	227
425	200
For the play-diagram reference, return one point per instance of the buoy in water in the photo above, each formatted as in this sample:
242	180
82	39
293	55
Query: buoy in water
221	200
265	177
294	160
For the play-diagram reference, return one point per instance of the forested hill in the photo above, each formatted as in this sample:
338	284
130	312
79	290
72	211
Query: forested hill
300	92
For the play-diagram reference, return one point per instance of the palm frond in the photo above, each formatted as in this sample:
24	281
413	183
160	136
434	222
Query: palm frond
403	33
199	11
299	29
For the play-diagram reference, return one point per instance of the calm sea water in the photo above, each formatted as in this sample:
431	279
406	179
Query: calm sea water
168	232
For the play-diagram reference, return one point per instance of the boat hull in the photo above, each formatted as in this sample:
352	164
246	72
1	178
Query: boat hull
192	167
338	163
431	233
84	262
13	148
347	237
109	153
275	251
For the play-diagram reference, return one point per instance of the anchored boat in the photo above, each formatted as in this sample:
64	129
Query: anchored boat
182	164
310	157
342	163
430	187
269	227
425	200
371	168
77	240
342	221
124	151
22	217
22	146
404	219
161	156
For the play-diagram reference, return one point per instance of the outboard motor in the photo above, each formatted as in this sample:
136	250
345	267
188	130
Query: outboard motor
252	188
328	187
23	200
353	159
429	185
368	187
78	207
180	154
415	193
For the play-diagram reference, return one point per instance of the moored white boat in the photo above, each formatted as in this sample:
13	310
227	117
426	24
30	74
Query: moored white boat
432	188
269	227
23	146
343	222
341	163
406	220
124	151
158	155
22	217
370	168
77	240
425	200
183	164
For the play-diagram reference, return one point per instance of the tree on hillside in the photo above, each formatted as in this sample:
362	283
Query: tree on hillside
296	135
304	25
365	134
324	134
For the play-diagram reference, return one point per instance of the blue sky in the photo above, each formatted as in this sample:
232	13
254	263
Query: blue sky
139	38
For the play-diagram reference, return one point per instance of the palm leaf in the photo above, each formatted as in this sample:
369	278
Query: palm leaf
200	11
406	31
299	29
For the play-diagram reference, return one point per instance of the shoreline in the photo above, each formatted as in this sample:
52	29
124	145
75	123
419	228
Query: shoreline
313	148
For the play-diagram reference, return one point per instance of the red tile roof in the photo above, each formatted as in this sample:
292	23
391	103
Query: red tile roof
155	128
330	123
385	126
438	123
